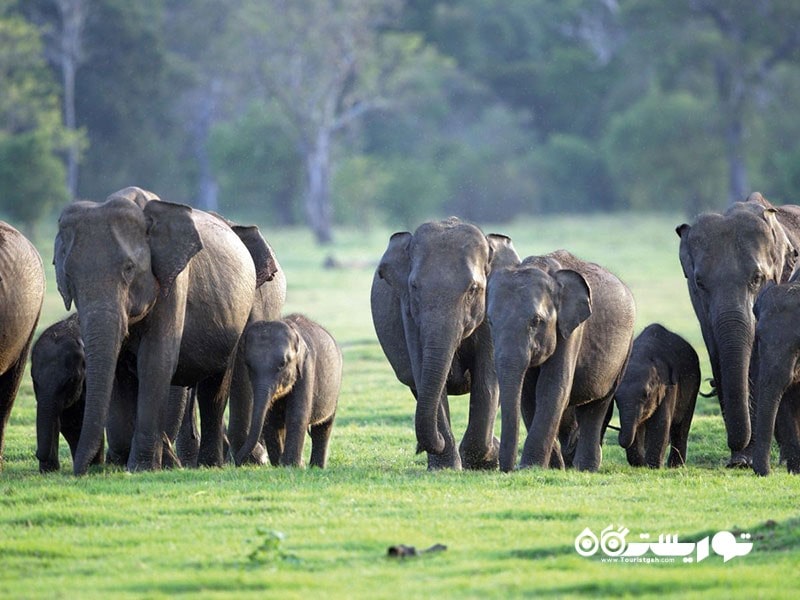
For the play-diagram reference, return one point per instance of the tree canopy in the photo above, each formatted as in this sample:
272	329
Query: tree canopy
359	111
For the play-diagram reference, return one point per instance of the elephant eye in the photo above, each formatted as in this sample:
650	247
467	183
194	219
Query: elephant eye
128	269
535	321
698	281
757	280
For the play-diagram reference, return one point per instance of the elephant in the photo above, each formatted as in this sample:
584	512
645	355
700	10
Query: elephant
267	306
727	259
58	371
657	396
778	390
21	297
295	369
562	330
167	289
428	302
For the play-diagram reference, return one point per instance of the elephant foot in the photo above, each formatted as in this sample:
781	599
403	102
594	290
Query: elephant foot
48	466
740	460
449	459
257	457
481	459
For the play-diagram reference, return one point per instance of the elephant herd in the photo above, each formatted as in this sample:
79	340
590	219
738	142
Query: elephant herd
178	308
164	293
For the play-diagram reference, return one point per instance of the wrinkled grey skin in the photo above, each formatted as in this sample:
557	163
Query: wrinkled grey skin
656	398
428	306
778	390
176	285
21	297
562	330
295	368
267	306
58	370
727	259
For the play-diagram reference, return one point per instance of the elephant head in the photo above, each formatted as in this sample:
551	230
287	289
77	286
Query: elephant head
439	274
727	259
115	260
642	389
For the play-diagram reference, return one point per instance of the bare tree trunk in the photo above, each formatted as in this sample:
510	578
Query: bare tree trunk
207	187
73	17
737	168
319	211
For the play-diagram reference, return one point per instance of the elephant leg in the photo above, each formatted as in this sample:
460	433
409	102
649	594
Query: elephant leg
274	431
679	440
657	428
187	442
479	448
787	421
212	394
590	416
298	412
240	411
635	453
320	436
9	386
121	417
449	458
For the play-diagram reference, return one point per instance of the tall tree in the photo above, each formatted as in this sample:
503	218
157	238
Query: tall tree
316	59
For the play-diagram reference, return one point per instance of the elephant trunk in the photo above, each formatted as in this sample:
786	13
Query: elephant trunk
436	362
774	377
735	342
262	396
510	376
630	416
47	430
102	333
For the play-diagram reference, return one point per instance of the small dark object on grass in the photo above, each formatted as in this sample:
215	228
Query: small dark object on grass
403	551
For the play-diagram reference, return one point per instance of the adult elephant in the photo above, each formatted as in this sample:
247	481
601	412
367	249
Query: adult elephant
21	296
428	306
727	259
175	286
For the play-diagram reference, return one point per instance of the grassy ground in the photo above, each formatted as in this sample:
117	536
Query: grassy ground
308	533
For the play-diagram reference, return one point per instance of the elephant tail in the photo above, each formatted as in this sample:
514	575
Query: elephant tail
713	392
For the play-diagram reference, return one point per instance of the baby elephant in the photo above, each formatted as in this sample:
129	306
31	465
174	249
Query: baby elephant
656	398
58	373
295	369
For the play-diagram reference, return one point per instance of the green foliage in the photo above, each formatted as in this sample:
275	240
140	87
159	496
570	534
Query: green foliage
32	179
260	170
663	154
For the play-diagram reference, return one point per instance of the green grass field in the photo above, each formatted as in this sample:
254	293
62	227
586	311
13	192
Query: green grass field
287	533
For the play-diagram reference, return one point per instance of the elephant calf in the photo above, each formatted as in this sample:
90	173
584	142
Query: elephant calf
295	370
656	398
58	373
561	330
777	394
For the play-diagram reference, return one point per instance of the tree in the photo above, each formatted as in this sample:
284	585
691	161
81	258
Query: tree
31	175
317	61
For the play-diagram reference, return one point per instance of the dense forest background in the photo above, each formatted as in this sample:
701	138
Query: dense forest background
329	112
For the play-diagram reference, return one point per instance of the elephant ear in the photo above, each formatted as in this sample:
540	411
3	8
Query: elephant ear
687	264
758	305
60	252
574	301
784	255
173	238
501	252
260	250
395	264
